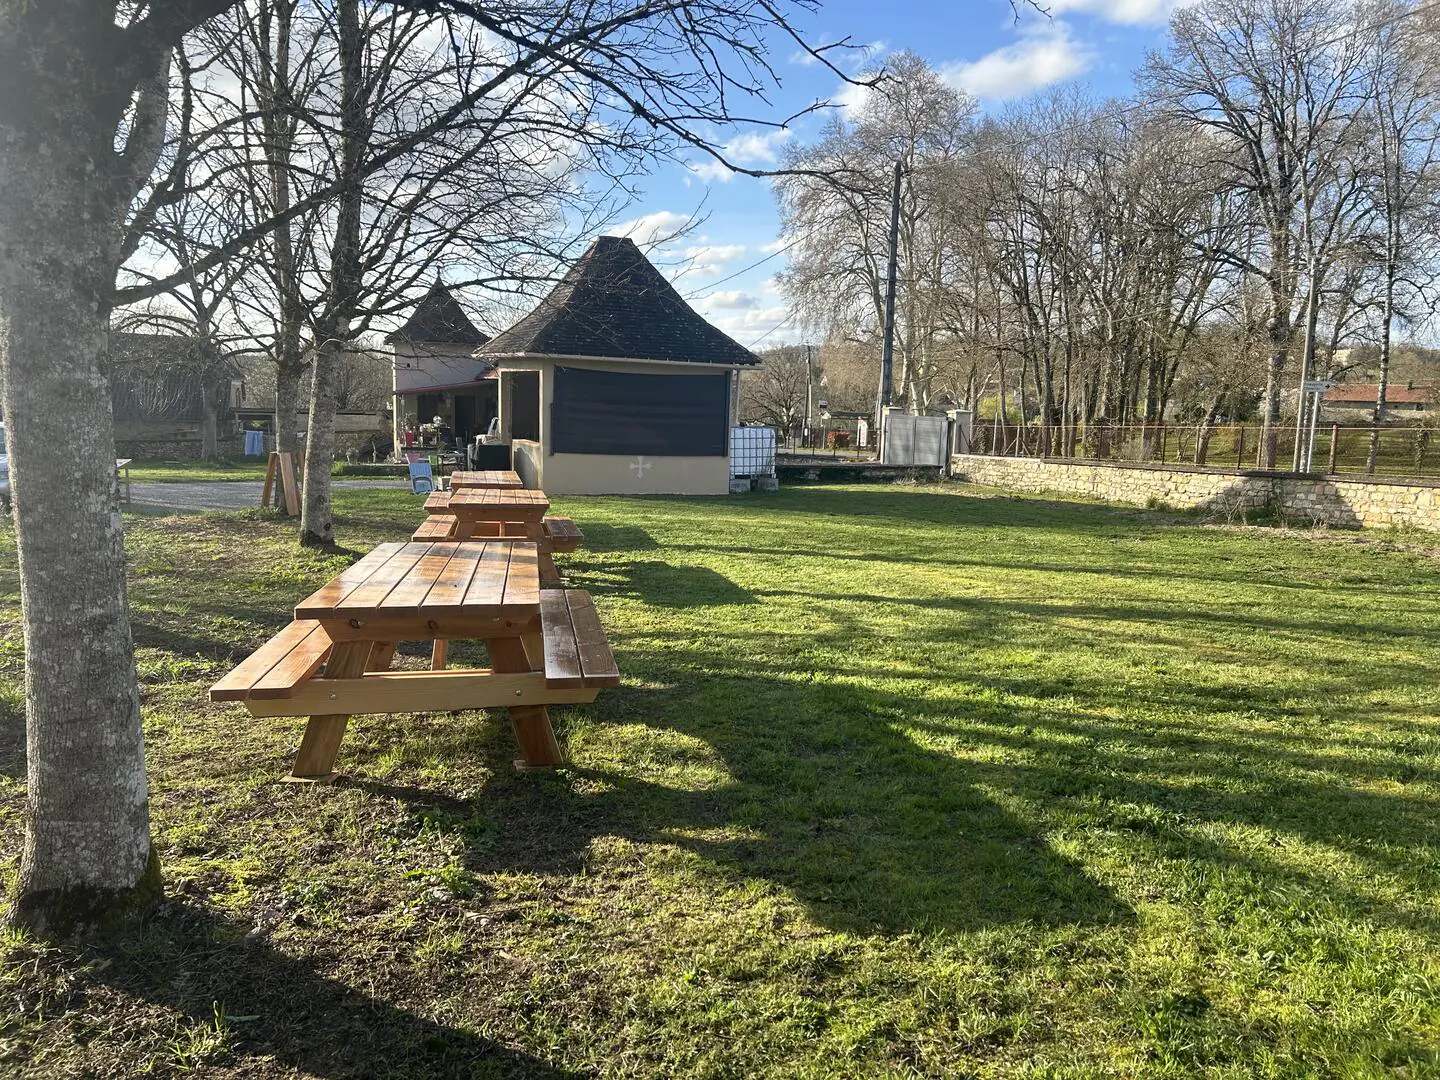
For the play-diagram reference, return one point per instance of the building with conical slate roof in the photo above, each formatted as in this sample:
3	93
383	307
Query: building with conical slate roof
437	373
615	385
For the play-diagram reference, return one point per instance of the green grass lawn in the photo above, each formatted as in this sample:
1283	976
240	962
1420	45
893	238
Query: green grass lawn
901	781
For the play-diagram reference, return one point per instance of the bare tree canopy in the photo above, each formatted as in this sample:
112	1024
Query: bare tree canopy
1261	205
91	170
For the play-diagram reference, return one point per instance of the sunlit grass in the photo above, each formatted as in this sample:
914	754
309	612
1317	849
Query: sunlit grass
900	781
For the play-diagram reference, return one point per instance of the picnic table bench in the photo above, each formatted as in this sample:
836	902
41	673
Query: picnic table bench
560	533
546	647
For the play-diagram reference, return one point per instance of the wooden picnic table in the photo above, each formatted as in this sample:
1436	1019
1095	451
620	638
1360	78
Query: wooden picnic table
481	590
514	512
485	478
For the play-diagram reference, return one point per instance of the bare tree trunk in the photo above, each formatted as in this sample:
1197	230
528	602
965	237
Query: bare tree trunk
209	422
87	854
1275	370
317	525
288	373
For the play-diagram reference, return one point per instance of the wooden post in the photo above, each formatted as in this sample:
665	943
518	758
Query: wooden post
281	466
1334	446
1240	447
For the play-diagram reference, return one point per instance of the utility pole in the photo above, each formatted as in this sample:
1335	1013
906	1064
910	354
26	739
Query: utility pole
809	392
887	355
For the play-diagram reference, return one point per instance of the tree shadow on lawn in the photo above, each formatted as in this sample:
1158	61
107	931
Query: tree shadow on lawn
666	585
278	1009
822	795
898	810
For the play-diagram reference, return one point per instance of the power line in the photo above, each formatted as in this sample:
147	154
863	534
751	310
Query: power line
782	323
745	270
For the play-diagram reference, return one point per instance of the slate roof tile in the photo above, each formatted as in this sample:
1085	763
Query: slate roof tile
613	303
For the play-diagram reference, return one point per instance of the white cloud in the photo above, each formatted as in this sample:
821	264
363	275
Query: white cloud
851	97
1040	58
711	171
757	147
750	321
732	300
750	149
653	228
1128	12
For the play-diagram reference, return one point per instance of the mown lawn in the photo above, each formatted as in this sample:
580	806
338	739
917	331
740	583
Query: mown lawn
900	781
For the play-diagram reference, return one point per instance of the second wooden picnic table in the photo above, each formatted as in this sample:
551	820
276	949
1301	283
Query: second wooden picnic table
505	512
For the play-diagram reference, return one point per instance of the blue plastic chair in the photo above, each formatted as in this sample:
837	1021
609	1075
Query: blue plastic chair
422	480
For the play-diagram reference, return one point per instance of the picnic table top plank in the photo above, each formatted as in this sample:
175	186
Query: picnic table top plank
450	587
488	502
409	594
338	587
485	478
371	593
466	578
487	587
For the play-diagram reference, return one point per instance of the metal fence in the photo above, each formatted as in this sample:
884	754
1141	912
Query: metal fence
837	439
1400	451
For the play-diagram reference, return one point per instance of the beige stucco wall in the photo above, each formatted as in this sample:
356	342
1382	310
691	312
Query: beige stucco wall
416	366
608	474
1334	500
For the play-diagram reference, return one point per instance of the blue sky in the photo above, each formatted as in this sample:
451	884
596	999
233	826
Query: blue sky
977	44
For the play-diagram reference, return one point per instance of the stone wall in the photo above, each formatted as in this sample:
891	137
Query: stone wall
1334	500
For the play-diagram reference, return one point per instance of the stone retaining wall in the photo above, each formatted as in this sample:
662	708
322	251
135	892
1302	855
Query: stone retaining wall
1331	499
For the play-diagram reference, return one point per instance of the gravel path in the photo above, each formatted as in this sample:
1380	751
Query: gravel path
152	498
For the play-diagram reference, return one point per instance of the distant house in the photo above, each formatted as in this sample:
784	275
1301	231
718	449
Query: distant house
163	393
613	384
1350	400
436	373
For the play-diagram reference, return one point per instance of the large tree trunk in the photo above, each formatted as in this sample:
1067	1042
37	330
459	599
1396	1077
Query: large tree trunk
87	854
317	524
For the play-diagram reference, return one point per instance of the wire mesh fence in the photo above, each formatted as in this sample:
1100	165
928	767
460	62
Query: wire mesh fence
836	439
1381	451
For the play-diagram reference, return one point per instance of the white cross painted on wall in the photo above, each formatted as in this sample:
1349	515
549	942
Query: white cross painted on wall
640	465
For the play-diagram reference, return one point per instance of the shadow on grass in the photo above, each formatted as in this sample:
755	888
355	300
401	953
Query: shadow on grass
663	585
821	794
276	1009
600	537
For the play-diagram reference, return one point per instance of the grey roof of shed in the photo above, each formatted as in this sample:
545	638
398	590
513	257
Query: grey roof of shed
438	320
614	304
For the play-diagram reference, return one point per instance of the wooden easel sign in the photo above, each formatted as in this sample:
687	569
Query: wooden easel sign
284	465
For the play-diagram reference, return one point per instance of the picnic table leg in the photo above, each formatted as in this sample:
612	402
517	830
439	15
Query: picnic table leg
315	761
531	723
438	653
549	576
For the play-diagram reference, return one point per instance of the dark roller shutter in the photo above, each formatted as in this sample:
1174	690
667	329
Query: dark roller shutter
606	412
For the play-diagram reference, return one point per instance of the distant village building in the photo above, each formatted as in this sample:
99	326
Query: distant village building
164	393
1353	402
614	385
436	373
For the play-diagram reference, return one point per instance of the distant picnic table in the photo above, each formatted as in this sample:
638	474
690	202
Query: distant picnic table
485	478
